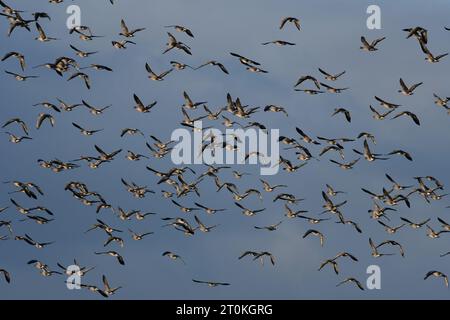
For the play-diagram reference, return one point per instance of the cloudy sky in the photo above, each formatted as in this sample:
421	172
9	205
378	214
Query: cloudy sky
329	39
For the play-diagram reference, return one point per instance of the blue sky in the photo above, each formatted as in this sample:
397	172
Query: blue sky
330	40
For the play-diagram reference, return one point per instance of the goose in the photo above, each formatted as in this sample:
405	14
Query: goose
445	225
332	89
184	209
110	239
16	55
30	241
306	78
42	36
332	262
209	210
82	76
433	234
82	54
98	67
346	166
6	275
368	155
415	225
331	192
82	270
47	105
351	280
84	131
41	15
174	43
445	254
274	108
366	46
103	226
367	135
141	107
387	105
107	288
112	254
345	255
281	43
391	230
7	224
430	57
331	77
437	274
139	236
189	104
121	44
131	132
156	77
380	116
315	233
245	61
202	227
173	256
126	32
293	20
18	121
211	284
256	69
393	243
213	63
329	206
375	252
16	139
134	156
442	102
42	117
68	107
141	216
107	156
38	219
347	114
181	29
408	91
393	201
305	137
248	212
19	77
269	188
414	117
419	33
272	227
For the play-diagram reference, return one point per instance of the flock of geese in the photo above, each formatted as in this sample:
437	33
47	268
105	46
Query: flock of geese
181	187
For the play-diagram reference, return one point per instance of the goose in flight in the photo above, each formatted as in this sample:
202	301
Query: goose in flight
293	20
274	108
84	131
272	227
83	76
445	225
331	192
122	44
269	188
202	227
211	284
126	32
315	233
408	91
331	89
181	29
47	105
413	116
401	153
419	33
156	77
259	255
430	57
18	121
82	54
16	139
351	280
308	78
245	61
329	206
208	210
139	236
437	274
107	290
184	209
173	256
213	63
107	156
93	110
366	46
19	77
141	107
16	55
345	166
391	230
331	77
180	66
103	226
30	241
279	43
6	275
375	252
442	102
368	155
346	113
387	105
379	116
305	137
174	43
189	104
332	262
415	225
433	234
42	117
392	243
42	36
112	254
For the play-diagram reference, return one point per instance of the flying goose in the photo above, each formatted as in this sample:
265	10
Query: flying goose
211	284
367	135
310	78
272	227
433	234
174	43
82	54
82	76
279	43
213	63
154	76
387	105
293	20
202	227
408	91
331	77
415	225
42	36
141	107
181	29
121	44
419	33
259	255
108	291
189	104
437	274
248	212
392	243
351	280
409	114
366	46
47	105
103	226
245	61
209	210
332	262
274	108
346	166
19	121
112	254
16	139
445	225
42	117
368	155
30	241
126	32
19	77
347	114
380	116
16	55
173	256
269	188
442	102
430	57
315	233
396	185
84	131
375	252
332	89
6	275
391	230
